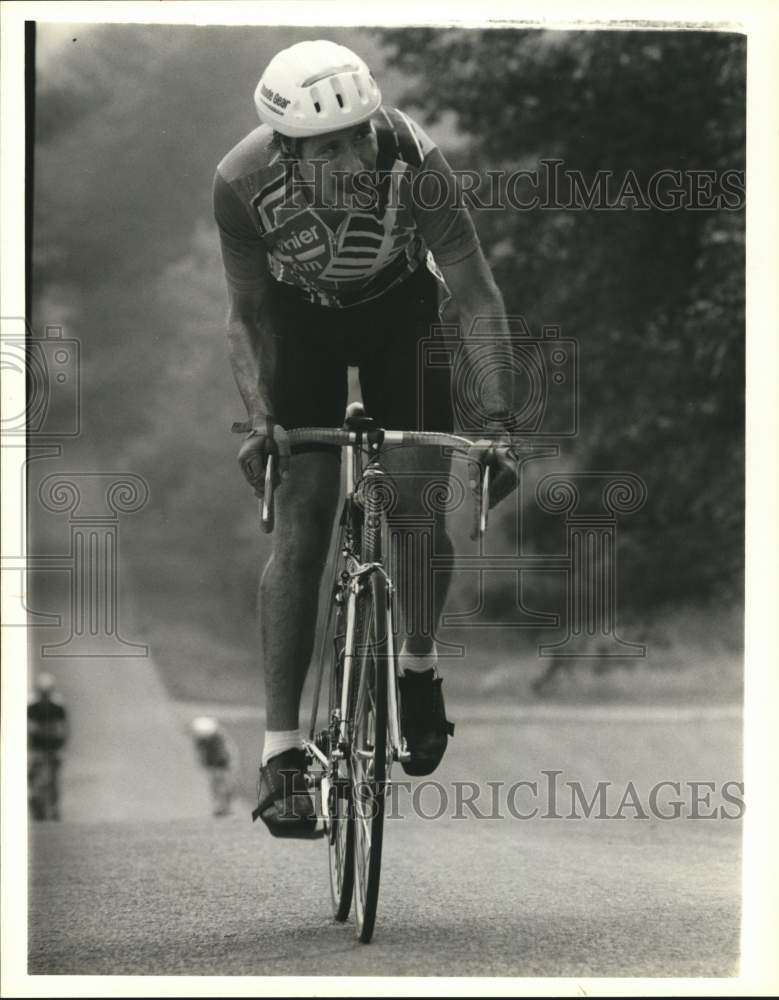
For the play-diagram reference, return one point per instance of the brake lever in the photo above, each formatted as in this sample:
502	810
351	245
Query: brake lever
481	501
266	504
484	503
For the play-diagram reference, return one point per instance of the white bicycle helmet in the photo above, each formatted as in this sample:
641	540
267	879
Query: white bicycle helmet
204	726
44	683
315	87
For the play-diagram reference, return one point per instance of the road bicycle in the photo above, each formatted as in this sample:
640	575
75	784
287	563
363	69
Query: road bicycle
352	746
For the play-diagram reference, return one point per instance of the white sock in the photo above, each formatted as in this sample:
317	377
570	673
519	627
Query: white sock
416	663
279	740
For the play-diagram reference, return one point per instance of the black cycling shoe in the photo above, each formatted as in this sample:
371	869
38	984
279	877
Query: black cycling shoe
284	803
423	721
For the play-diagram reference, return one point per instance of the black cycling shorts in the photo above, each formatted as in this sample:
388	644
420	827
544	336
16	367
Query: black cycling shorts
404	377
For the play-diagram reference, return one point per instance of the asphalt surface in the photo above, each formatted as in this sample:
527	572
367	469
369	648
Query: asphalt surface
460	897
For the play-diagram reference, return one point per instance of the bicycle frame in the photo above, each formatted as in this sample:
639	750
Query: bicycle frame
356	472
370	513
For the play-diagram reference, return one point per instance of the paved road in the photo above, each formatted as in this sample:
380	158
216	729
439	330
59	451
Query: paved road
465	897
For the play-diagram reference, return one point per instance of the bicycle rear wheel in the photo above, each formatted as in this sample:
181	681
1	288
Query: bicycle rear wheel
368	752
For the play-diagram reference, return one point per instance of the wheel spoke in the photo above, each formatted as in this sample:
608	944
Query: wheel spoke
365	823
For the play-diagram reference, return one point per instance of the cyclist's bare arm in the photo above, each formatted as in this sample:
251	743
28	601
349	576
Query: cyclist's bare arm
477	296
248	280
253	360
252	348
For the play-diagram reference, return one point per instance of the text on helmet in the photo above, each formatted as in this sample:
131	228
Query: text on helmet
273	97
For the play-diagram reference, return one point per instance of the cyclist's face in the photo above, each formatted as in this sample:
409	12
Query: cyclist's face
331	160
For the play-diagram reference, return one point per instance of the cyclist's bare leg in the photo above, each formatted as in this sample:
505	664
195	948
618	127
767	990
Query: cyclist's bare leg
289	586
54	787
420	469
35	784
220	791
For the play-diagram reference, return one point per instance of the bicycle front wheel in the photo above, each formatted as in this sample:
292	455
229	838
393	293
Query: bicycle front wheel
340	828
369	752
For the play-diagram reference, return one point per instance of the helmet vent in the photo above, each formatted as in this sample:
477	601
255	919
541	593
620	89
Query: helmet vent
330	71
340	100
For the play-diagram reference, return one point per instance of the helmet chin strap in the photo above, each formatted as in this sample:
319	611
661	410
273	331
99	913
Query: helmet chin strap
290	147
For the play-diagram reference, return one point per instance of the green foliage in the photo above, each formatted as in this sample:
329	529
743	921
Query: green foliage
655	298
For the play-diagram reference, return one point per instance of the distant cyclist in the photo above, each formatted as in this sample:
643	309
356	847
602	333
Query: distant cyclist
217	754
47	733
336	246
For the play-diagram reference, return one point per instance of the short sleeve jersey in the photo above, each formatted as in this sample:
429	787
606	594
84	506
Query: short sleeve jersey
268	222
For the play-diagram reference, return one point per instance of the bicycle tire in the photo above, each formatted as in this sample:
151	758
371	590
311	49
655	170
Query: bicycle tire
340	834
368	756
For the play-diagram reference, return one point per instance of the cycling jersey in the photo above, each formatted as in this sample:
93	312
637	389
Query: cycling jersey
46	723
267	219
388	340
213	751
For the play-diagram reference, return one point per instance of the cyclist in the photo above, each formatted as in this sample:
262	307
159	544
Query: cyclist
217	754
47	733
336	245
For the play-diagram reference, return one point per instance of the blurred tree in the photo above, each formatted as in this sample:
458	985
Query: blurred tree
655	298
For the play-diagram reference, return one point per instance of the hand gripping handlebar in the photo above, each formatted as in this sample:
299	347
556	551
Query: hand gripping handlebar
342	437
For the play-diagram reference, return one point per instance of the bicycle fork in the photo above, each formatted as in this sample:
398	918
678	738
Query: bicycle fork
397	743
340	739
